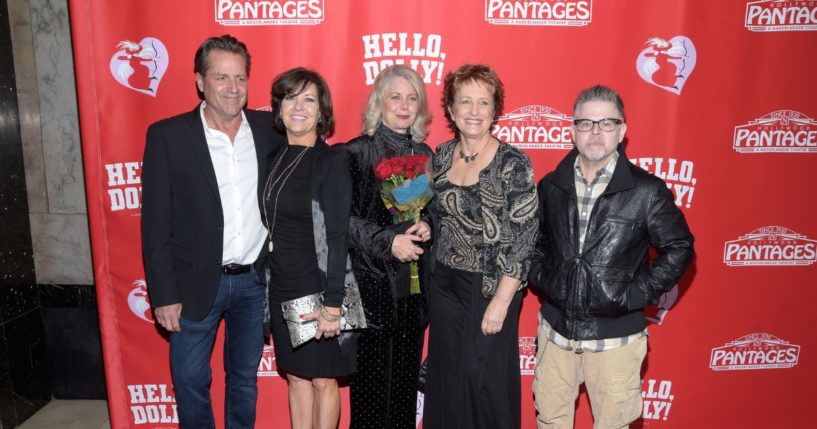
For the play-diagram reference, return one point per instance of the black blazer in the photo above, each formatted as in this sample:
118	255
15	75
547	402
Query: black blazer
182	219
332	191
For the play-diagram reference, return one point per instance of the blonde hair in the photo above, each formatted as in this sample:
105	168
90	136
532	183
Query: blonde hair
372	116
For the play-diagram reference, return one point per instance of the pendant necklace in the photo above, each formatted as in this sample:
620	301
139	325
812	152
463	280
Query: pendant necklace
472	157
270	185
468	158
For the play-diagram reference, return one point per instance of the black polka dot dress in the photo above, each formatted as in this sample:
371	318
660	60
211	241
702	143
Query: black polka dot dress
384	388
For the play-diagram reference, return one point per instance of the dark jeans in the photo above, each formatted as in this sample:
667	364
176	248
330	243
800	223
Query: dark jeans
240	302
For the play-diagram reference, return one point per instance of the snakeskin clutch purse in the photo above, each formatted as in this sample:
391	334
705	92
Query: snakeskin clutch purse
301	331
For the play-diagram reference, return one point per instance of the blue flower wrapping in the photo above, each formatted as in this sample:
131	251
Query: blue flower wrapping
412	189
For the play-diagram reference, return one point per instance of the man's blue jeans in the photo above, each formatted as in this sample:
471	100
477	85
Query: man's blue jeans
240	302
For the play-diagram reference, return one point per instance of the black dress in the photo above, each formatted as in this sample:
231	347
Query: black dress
383	392
473	379
293	266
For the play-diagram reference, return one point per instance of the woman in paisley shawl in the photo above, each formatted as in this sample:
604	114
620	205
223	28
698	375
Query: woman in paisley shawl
384	390
484	219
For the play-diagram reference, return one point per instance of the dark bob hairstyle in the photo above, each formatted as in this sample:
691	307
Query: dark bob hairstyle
294	82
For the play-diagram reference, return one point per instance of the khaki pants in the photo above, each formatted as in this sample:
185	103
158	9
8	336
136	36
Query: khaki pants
612	379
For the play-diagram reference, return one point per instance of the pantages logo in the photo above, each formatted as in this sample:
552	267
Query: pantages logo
770	245
754	351
269	12
781	15
779	131
535	127
527	355
125	186
421	52
539	12
267	366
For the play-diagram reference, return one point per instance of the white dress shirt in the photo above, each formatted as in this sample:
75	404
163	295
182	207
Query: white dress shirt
236	168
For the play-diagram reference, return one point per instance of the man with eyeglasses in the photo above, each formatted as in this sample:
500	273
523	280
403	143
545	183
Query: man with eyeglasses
599	216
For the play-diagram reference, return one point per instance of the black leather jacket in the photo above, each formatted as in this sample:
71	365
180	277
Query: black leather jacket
601	292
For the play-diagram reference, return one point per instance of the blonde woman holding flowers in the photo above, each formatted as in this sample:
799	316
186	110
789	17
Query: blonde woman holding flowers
384	389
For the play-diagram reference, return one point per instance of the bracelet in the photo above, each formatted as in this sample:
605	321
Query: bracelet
329	317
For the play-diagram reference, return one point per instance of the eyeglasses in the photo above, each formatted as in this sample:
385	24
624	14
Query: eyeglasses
606	124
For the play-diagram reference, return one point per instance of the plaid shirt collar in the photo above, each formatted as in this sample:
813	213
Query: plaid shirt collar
606	172
586	194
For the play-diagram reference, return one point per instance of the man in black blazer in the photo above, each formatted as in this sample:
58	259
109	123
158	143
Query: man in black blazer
202	234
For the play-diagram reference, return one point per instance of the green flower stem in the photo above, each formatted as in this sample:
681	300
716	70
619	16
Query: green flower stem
414	268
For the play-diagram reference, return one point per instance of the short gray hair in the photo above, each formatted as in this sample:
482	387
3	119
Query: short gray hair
599	93
372	115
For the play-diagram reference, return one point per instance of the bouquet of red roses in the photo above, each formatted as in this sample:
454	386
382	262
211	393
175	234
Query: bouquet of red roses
406	190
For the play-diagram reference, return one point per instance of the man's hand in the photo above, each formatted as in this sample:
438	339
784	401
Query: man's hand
168	316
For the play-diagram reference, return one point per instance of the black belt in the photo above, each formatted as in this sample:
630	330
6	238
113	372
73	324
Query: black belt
235	269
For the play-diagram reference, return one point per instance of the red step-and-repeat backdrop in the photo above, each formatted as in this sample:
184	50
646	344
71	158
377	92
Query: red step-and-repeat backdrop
720	99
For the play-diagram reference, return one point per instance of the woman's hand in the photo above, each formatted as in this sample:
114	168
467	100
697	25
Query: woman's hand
494	316
328	322
420	229
404	249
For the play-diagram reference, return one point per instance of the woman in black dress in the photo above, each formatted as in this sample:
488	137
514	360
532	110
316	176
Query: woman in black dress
306	209
383	392
485	227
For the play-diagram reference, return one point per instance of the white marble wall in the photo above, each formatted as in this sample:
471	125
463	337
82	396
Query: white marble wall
58	106
44	67
61	251
28	105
